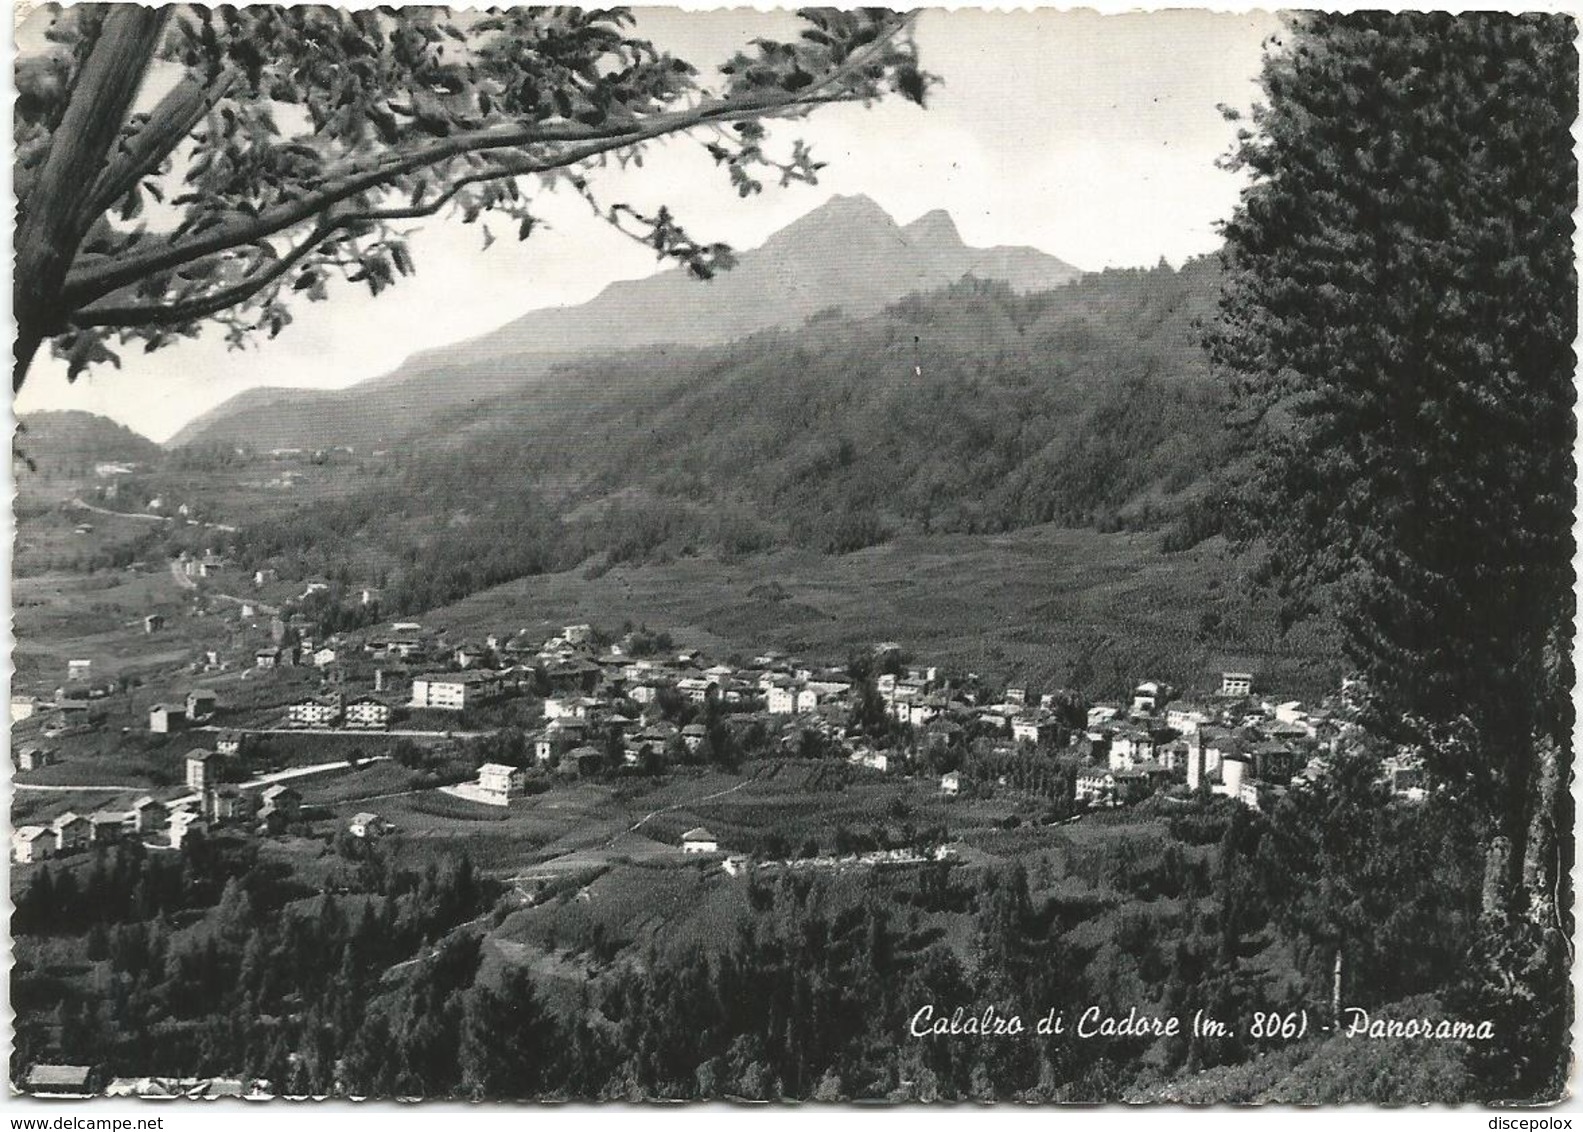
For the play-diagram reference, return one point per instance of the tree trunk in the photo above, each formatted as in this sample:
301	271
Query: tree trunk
54	218
28	340
1540	872
1335	993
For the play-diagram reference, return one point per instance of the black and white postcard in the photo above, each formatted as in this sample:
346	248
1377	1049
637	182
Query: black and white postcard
796	555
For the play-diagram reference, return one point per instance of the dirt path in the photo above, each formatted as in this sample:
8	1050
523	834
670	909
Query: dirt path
262	780
84	505
676	806
186	583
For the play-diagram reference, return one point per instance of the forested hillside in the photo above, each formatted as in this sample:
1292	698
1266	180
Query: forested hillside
71	443
848	254
972	409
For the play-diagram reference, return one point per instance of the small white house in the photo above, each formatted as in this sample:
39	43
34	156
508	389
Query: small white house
699	840
497	782
951	784
30	843
367	825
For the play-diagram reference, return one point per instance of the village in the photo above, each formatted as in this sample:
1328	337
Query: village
586	704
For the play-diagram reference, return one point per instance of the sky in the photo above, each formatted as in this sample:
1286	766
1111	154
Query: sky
1091	137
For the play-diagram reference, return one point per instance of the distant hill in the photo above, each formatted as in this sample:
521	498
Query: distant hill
73	442
846	255
973	409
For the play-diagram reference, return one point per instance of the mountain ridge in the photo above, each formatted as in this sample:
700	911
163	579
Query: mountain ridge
848	253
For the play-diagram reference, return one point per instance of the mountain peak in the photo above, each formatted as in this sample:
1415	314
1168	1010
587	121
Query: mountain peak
933	228
857	206
840	214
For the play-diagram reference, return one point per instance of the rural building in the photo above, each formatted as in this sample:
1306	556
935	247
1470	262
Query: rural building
314	712
324	657
31	843
106	826
279	806
1034	731
699	840
230	805
693	736
1186	717
72	832
1236	684
153	623
873	760
367	825
183	825
1128	748
497	782
23	707
228	742
1133	785
367	713
165	718
1234	771
1276	762
568	707
147	815
951	784
697	689
200	773
454	691
200	704
782	700
78	670
1096	787
32	758
584	761
267	657
558	738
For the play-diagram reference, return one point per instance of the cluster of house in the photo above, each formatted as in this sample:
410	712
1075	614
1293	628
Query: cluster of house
205	802
75	705
166	718
1246	749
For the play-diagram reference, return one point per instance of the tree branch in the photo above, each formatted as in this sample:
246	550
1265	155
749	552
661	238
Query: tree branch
169	122
92	282
174	314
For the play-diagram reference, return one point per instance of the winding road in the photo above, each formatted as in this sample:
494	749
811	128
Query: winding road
84	505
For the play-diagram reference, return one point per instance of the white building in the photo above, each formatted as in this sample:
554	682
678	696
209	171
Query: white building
29	843
368	714
453	691
699	840
314	713
497	782
1185	717
366	825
